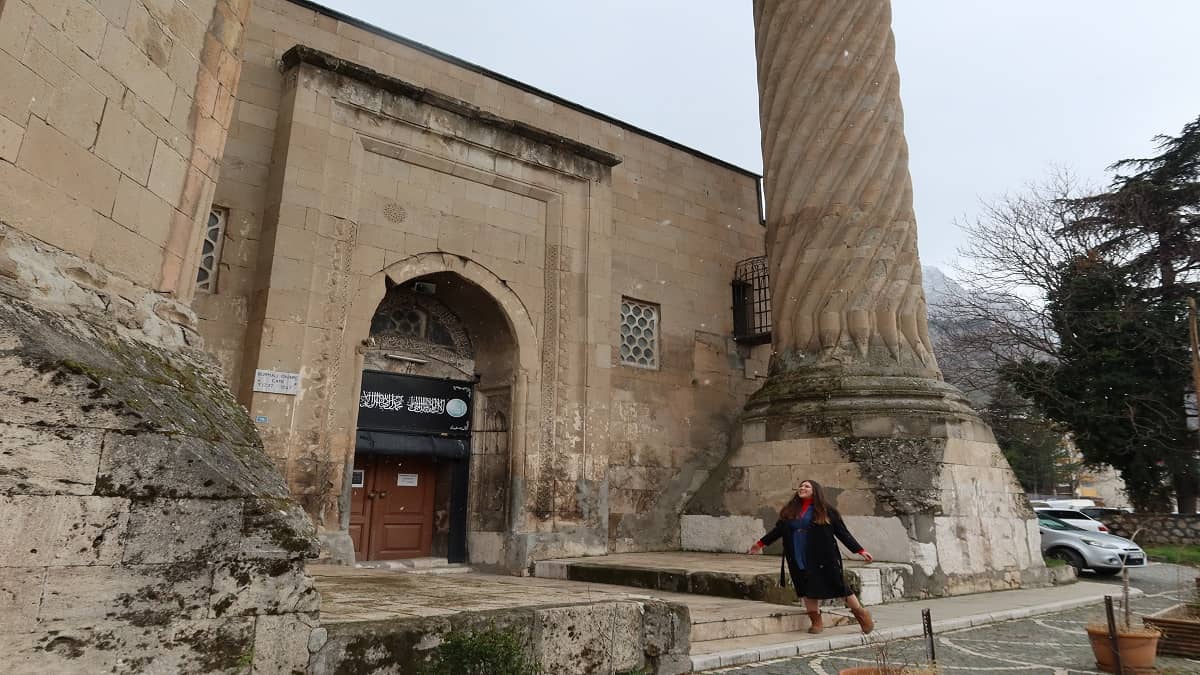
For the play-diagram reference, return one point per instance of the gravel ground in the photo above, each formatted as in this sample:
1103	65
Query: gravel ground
1049	644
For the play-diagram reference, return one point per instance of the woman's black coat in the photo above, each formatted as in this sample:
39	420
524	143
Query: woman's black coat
823	562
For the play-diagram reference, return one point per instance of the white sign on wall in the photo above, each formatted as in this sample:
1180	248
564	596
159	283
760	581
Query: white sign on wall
275	382
406	479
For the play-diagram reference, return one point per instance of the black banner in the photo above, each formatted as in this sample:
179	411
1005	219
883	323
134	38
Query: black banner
391	402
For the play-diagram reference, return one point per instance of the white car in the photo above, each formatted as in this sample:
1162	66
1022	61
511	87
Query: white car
1076	518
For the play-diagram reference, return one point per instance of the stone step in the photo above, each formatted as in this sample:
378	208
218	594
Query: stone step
737	576
416	566
713	654
755	619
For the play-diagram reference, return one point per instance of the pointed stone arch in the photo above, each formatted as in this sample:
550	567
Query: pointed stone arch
523	408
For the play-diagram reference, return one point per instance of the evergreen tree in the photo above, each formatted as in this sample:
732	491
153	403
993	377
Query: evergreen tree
1119	381
1149	221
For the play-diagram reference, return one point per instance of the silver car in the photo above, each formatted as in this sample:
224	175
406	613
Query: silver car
1082	549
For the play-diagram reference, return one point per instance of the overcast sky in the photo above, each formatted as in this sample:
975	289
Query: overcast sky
995	93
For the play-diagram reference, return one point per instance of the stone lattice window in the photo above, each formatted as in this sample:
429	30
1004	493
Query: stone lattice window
210	252
407	321
639	334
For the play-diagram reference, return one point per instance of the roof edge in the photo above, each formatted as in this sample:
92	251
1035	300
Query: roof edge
517	84
325	61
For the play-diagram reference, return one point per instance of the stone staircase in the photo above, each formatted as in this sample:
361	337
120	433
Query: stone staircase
735	601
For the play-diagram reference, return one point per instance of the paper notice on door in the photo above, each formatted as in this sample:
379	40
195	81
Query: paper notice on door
406	480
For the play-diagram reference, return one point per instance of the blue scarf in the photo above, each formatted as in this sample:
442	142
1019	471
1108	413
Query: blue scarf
798	531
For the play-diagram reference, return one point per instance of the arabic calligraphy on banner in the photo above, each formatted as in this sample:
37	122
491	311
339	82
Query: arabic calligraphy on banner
391	402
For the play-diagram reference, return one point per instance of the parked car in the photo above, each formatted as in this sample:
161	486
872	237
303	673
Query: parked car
1077	518
1083	549
1100	512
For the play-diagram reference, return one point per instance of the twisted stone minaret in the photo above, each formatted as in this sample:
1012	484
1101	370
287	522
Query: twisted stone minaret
841	235
855	399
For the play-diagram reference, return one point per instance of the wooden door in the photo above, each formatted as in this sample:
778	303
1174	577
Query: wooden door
400	524
360	482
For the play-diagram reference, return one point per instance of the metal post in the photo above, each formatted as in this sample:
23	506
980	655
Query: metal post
927	622
1112	634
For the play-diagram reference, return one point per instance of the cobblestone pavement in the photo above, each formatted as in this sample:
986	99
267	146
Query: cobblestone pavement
1049	644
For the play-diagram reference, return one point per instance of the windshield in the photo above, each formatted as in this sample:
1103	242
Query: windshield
1052	523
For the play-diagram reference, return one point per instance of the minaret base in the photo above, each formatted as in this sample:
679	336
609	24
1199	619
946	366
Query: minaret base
914	471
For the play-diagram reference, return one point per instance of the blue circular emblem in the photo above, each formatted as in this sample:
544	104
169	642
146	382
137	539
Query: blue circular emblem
456	407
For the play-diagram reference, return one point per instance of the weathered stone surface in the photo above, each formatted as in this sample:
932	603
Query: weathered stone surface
40	460
589	638
719	533
281	643
20	597
170	530
171	392
182	647
139	595
275	586
150	465
277	528
62	530
885	537
667	629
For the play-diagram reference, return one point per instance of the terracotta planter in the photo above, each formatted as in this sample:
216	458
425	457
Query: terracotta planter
1180	626
1138	647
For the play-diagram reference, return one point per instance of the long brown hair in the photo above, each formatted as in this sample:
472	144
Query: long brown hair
820	507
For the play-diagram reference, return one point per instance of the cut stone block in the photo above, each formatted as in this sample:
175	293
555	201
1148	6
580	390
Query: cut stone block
62	530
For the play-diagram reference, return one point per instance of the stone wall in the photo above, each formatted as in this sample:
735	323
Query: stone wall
1156	529
557	211
646	636
113	117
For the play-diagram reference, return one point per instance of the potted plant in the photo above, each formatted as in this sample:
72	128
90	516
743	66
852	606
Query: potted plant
1138	644
1180	626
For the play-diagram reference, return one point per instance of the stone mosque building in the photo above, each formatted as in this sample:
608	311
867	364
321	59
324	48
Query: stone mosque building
467	319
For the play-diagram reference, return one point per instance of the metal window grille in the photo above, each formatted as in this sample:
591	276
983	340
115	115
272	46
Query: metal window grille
210	252
751	301
639	334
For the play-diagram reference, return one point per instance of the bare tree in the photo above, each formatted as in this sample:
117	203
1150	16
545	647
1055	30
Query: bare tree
1013	257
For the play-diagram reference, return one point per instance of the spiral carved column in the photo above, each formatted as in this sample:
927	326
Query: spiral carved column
841	235
854	399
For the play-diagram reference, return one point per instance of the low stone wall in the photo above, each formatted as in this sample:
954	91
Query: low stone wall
1155	529
606	637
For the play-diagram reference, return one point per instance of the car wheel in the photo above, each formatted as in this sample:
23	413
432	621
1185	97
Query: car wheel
1107	571
1068	556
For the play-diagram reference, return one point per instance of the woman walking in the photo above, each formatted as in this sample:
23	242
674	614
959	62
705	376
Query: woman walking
810	529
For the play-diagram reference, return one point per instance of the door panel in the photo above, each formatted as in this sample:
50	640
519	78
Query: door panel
360	505
401	520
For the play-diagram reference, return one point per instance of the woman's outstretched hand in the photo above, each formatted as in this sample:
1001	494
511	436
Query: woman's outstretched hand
866	556
756	549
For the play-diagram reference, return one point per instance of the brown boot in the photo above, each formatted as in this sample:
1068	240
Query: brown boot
864	619
815	619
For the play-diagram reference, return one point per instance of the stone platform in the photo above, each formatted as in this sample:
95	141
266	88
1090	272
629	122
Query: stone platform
729	575
388	611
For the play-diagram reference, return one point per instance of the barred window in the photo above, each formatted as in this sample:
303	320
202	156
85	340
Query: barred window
639	334
210	252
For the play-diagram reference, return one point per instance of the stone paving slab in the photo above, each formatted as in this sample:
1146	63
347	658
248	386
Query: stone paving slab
350	594
1051	643
901	620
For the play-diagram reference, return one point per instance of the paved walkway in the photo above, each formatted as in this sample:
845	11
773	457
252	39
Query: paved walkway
1045	644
